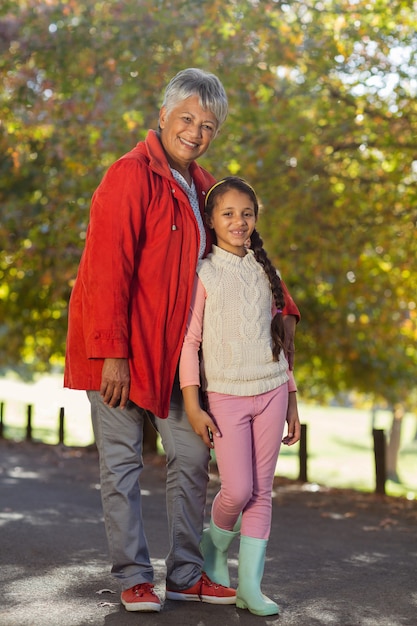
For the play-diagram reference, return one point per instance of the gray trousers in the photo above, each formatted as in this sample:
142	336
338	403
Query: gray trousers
119	439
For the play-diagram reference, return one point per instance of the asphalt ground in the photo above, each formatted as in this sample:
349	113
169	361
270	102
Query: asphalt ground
335	557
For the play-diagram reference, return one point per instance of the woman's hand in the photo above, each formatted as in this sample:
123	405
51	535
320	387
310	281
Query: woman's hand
115	382
290	322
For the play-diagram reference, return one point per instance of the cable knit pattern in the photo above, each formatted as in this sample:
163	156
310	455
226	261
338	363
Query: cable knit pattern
237	344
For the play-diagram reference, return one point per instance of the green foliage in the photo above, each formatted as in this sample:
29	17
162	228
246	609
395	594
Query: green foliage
322	122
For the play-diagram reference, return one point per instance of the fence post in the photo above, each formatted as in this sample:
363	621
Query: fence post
1	420
380	460
61	430
303	454
29	423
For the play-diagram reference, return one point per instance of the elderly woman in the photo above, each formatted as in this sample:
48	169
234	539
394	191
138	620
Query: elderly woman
127	317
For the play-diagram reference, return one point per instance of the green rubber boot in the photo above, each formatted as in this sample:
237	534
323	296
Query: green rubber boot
250	571
214	545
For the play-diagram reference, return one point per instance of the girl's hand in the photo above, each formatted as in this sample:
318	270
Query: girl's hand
201	421
203	426
293	421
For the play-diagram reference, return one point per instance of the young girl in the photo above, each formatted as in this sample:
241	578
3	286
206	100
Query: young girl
236	320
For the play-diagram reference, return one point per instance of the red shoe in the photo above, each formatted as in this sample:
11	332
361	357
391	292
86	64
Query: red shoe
204	591
141	598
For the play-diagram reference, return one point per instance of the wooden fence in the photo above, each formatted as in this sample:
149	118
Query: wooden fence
150	443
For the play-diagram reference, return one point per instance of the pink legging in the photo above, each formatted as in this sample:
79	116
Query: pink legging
252	428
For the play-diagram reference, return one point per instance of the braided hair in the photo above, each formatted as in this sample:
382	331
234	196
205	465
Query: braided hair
256	244
277	323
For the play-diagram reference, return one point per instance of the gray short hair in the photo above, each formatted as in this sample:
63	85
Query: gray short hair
195	82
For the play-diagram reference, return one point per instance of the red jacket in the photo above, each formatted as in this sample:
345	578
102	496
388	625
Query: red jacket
132	294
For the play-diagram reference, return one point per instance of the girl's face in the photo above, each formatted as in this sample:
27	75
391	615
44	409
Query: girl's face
233	220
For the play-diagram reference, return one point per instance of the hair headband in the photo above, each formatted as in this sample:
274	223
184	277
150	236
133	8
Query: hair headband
227	180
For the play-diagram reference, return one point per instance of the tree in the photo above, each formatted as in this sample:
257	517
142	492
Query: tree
322	122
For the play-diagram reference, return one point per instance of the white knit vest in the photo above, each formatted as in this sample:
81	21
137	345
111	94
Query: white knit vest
237	344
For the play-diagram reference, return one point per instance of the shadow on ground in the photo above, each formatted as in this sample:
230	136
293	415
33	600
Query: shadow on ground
335	557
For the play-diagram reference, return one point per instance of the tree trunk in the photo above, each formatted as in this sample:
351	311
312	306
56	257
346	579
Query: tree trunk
394	443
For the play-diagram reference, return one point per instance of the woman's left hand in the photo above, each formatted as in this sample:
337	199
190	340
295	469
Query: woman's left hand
290	323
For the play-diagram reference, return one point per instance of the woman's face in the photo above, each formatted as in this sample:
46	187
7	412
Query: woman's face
186	132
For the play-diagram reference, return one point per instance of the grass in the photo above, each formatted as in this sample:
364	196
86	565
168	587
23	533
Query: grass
340	450
46	397
339	440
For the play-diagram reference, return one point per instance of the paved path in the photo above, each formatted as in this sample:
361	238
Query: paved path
335	558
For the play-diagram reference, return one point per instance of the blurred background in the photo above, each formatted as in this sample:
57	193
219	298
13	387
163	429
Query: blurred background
322	122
